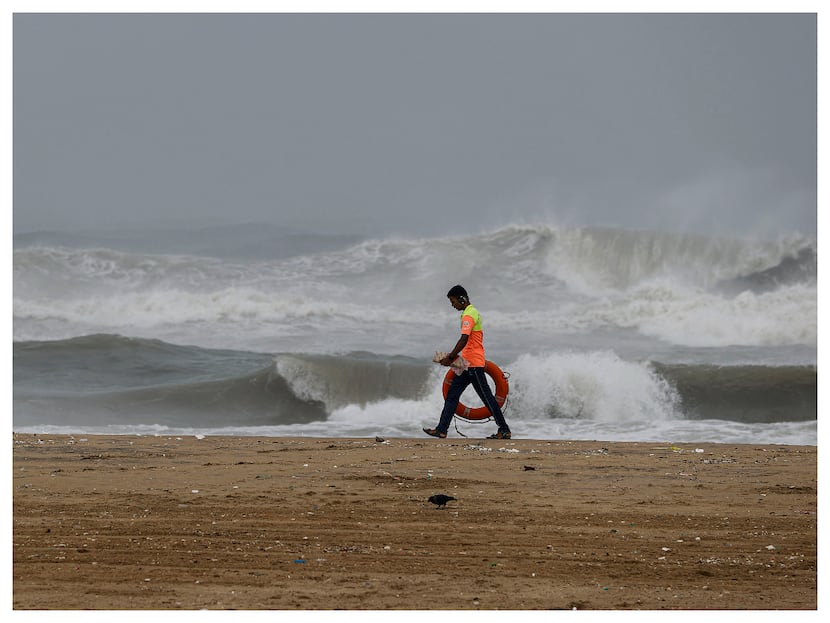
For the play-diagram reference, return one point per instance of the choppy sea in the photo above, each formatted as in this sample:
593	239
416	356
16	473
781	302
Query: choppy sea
606	334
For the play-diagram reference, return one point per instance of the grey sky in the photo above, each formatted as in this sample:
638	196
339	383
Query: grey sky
416	124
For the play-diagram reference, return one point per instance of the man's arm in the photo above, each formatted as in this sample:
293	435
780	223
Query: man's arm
462	342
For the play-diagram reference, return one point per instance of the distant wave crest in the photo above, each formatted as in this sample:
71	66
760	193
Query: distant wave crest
681	288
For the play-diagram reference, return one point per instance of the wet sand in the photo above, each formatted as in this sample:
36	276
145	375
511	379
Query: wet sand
167	522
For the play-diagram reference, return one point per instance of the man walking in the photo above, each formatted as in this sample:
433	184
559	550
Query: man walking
471	347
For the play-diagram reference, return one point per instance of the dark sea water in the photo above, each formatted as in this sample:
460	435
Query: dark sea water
606	334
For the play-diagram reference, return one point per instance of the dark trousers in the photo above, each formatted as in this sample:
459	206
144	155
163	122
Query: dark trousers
478	379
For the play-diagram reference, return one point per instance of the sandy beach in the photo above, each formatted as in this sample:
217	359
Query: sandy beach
167	522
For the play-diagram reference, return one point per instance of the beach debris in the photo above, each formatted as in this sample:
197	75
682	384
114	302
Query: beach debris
440	500
379	439
480	448
595	452
509	450
529	468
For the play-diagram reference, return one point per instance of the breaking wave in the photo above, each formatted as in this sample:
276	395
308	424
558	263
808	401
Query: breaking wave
681	289
106	380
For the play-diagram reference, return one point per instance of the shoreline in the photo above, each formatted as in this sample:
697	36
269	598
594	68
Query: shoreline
179	522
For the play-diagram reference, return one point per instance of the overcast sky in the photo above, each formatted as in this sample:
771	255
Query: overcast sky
415	124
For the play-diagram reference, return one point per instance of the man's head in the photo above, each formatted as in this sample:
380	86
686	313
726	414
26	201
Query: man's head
458	297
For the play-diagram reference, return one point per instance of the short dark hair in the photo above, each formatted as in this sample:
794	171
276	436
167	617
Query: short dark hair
458	292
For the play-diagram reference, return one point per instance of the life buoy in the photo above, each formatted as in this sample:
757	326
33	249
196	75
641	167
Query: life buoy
480	413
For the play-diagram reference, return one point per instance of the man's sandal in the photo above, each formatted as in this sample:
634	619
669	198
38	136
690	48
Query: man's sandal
434	433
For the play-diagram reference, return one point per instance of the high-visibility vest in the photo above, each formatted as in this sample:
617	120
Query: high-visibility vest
473	313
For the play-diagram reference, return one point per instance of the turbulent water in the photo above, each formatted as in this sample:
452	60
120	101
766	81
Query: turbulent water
606	334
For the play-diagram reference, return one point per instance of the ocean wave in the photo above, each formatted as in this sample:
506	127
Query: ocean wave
801	268
116	380
680	289
108	380
751	393
788	315
592	258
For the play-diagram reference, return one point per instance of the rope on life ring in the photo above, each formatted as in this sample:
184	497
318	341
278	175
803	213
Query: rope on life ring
481	413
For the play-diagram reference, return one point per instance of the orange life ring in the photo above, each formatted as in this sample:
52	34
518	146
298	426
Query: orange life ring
480	413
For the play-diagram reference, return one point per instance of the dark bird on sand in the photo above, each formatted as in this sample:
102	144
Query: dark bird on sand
440	500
